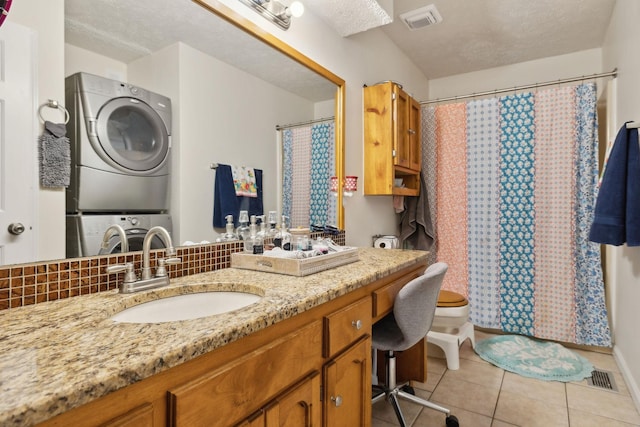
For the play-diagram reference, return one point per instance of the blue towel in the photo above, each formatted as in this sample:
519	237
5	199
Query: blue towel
225	201
617	213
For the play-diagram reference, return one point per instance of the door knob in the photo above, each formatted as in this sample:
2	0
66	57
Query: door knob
16	228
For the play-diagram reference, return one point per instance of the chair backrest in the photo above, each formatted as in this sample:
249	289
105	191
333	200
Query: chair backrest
415	305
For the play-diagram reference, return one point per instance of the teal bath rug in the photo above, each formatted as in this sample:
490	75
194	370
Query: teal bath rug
534	358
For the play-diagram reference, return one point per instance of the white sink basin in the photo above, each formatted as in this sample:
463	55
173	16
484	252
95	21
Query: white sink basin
186	307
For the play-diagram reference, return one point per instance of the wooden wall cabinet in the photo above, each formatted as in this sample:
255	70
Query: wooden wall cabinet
392	141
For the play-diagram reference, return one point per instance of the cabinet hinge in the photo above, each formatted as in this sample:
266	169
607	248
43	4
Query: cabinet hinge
393	96
393	153
321	393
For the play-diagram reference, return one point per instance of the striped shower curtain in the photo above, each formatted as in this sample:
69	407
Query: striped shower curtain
308	164
515	181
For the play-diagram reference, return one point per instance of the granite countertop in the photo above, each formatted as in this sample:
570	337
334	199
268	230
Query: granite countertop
59	355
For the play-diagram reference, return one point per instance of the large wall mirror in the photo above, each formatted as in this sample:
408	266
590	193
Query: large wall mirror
129	31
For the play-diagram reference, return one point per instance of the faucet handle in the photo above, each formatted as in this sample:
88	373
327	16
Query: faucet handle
129	275
161	270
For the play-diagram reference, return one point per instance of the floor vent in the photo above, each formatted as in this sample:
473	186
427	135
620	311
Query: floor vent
602	379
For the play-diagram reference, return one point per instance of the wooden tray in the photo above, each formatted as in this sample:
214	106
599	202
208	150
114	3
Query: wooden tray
293	267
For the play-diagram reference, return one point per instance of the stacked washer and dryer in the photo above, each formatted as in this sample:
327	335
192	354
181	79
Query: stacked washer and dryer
120	153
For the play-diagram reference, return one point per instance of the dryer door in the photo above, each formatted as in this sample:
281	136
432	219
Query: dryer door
135	238
131	134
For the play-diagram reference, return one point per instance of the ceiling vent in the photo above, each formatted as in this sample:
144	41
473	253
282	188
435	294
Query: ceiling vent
422	17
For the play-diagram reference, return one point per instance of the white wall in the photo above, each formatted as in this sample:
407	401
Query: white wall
619	51
220	115
553	68
78	60
48	22
364	58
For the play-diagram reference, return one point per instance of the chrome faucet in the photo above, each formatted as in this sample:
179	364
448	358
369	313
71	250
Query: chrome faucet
113	229
146	281
146	248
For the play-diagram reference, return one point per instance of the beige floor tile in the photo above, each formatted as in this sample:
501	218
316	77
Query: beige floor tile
585	419
430	384
523	411
375	422
431	417
603	403
599	360
483	374
467	352
464	394
498	423
546	391
383	410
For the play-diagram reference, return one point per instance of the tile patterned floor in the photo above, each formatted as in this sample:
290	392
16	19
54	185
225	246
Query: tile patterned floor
482	395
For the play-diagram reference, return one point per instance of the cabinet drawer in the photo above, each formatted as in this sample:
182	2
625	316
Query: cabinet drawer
345	326
384	297
226	395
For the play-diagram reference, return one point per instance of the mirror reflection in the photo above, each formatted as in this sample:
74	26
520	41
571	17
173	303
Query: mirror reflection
227	89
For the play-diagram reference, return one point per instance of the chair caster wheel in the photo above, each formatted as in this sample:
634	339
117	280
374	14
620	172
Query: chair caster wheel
452	421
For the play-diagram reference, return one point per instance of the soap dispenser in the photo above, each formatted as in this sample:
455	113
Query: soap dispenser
282	238
273	221
243	229
254	243
229	234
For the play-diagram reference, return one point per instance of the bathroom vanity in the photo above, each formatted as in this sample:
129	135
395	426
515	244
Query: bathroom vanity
301	355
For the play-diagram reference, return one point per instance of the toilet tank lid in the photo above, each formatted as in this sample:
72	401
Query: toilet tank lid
451	299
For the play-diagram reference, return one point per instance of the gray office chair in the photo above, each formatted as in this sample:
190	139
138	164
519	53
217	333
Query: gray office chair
411	319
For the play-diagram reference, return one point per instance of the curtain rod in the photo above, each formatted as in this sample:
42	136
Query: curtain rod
531	86
309	122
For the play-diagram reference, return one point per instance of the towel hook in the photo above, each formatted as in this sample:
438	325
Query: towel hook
52	103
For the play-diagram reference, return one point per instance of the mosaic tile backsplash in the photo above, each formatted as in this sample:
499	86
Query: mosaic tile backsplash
26	284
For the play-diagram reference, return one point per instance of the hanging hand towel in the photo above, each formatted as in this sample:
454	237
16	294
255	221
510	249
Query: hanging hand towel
55	156
416	228
617	212
244	181
225	201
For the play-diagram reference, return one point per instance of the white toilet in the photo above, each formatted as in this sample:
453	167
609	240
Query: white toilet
451	326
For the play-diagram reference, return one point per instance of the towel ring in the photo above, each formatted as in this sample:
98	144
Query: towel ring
52	103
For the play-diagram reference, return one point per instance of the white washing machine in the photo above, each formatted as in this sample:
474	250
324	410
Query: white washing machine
120	146
85	233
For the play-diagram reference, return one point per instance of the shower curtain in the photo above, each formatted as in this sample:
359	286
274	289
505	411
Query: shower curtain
308	164
515	183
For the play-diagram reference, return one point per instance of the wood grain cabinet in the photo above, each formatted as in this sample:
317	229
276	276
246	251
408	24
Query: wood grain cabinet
311	370
347	374
298	407
392	145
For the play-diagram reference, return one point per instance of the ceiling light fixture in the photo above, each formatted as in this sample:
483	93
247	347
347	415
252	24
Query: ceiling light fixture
275	11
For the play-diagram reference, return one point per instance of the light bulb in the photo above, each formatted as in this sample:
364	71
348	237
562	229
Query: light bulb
297	9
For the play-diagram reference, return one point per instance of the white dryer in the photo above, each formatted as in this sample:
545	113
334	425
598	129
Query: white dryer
120	146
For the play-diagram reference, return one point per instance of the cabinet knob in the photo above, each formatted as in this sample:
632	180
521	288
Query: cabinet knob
357	324
411	132
337	400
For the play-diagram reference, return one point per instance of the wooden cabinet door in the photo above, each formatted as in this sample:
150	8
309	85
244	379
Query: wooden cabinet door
227	395
347	387
142	416
414	136
300	407
402	147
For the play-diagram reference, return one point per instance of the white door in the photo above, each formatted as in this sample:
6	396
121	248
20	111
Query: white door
18	143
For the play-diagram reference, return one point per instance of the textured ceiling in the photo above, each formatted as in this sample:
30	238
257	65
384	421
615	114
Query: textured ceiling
474	34
127	30
480	34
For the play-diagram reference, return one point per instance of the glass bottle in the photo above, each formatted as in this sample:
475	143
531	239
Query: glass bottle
254	243
243	229
273	222
230	233
282	238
